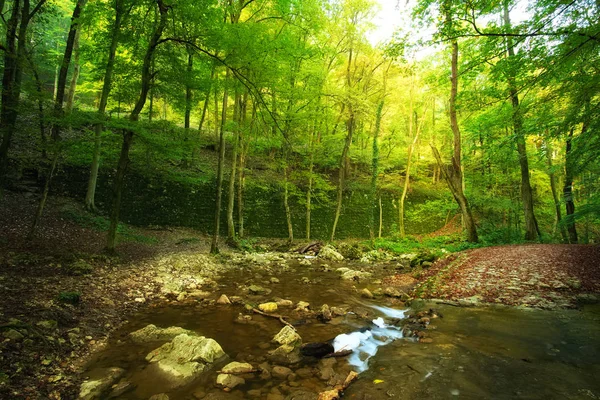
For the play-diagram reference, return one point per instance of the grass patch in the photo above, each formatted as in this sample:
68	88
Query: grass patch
101	224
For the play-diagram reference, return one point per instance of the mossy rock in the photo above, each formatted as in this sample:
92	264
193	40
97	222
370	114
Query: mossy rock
421	258
351	251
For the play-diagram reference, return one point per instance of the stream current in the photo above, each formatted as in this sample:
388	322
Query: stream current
475	353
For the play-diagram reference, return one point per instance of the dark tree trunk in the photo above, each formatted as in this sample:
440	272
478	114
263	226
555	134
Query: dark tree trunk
552	176
146	78
120	14
58	110
188	88
453	173
568	190
531	226
214	246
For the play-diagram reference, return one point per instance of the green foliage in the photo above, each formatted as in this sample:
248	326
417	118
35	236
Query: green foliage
73	298
79	267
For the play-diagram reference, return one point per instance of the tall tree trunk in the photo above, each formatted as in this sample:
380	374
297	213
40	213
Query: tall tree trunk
311	166
40	93
552	176
123	163
58	110
188	88
350	125
74	76
568	190
234	159
244	147
286	205
214	246
14	58
375	168
120	14
531	226
206	100
453	173
216	115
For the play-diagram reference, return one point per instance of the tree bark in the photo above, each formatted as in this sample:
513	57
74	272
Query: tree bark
58	110
453	173
568	190
214	246
188	88
234	160
74	75
120	14
555	198
206	100
375	167
531	226
123	163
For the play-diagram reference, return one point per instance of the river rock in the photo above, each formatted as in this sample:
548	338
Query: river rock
185	357
329	253
285	354
470	301
392	292
269	307
229	381
350	274
95	388
159	396
280	372
326	313
285	303
223	300
366	293
151	333
255	289
306	263
237	368
302	306
274	280
287	335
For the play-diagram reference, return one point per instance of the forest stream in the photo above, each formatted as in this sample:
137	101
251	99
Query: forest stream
471	353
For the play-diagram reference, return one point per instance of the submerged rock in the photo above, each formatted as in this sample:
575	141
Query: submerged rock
96	388
152	333
287	335
318	350
350	274
229	381
237	368
255	289
185	357
223	300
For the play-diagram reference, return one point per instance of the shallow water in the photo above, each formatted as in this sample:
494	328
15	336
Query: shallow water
492	353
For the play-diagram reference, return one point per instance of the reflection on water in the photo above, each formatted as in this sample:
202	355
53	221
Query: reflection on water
493	353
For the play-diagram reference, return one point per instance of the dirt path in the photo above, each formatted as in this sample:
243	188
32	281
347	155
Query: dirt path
537	275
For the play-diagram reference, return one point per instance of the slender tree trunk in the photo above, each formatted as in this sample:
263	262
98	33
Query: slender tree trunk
74	76
214	247
58	110
380	217
40	92
206	100
120	13
146	77
234	159
245	145
531	226
453	173
188	88
552	176
311	166
375	167
288	212
350	125
568	190
216	115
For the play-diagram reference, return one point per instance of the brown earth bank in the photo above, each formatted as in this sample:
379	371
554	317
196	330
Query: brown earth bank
61	297
534	275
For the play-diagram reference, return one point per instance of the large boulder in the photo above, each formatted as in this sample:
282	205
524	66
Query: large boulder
329	253
287	335
185	357
289	350
152	333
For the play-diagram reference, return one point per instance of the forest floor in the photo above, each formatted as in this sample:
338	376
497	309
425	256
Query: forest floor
61	296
